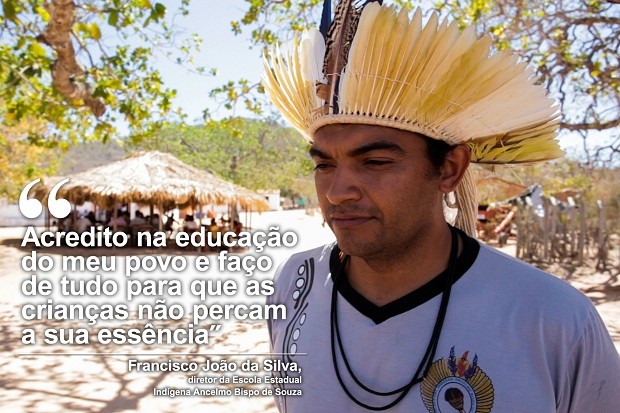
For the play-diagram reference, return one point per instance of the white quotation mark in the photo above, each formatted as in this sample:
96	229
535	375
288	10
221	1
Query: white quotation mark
32	208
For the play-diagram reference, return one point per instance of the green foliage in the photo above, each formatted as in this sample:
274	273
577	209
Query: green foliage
87	155
21	162
252	153
231	93
122	77
266	22
272	19
554	176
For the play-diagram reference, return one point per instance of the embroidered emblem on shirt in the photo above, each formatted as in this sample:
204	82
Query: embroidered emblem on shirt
303	285
455	384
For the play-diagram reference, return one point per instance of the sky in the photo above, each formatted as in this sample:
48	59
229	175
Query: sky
221	49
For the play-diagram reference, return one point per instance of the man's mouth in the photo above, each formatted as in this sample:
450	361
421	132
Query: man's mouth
345	221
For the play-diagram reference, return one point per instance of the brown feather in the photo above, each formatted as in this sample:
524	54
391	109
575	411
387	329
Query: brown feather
338	43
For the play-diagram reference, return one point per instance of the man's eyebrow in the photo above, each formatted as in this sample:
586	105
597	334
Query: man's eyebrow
315	152
375	146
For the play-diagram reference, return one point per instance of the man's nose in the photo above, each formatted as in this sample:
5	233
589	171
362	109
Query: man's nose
344	187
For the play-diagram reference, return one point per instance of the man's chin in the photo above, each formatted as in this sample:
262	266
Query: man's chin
356	248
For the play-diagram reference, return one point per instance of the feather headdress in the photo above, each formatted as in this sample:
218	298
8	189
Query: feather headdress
381	67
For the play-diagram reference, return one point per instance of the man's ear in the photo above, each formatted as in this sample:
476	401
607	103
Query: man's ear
454	167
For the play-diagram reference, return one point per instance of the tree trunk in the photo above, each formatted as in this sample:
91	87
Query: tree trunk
66	70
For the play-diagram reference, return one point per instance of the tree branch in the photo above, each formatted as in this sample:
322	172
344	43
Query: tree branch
588	21
590	125
66	70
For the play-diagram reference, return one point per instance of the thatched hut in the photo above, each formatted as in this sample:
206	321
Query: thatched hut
151	178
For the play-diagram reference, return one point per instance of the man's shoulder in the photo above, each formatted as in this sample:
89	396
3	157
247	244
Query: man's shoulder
507	264
300	271
318	254
308	258
523	280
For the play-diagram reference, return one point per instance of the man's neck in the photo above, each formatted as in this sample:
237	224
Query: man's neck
382	280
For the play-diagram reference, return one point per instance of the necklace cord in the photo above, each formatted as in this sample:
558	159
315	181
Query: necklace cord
429	354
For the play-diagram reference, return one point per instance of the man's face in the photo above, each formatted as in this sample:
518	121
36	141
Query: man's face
376	187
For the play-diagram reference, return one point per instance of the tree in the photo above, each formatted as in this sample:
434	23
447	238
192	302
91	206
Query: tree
268	21
575	45
60	64
88	155
21	162
252	153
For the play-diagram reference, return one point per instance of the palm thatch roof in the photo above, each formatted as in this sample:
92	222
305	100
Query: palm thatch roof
493	189
153	178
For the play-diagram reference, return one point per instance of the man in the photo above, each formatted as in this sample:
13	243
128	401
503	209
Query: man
83	223
407	313
138	219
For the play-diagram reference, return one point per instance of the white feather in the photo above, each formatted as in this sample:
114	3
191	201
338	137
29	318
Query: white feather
312	48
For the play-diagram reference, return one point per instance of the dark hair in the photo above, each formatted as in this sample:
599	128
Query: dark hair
437	151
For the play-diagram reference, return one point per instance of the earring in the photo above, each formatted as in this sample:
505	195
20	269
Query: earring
450	200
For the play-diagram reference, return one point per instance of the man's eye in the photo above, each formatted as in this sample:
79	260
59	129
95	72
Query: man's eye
377	162
321	166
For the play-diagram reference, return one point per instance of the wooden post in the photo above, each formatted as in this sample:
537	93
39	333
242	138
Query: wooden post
582	230
160	210
618	272
520	229
601	222
115	215
199	249
73	214
553	216
571	228
47	218
528	235
545	230
602	255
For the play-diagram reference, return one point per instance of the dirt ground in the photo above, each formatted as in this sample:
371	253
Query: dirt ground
95	378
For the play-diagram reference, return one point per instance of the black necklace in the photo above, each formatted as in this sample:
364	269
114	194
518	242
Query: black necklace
425	363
